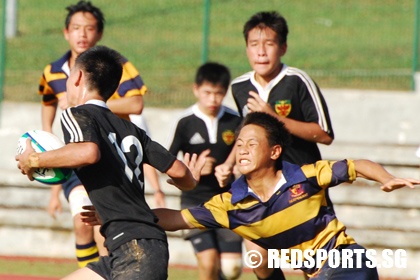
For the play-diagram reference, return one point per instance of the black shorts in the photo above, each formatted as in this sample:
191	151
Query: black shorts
221	239
142	259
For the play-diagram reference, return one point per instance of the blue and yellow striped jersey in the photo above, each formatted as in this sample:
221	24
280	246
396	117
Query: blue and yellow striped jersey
295	217
53	81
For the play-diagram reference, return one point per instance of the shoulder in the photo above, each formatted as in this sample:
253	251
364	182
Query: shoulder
243	78
56	66
298	73
230	112
186	117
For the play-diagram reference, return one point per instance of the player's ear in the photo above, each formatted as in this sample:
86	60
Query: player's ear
195	90
283	49
79	78
66	33
99	36
276	152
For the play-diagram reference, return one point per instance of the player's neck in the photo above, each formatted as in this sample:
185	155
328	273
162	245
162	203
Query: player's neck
264	184
264	80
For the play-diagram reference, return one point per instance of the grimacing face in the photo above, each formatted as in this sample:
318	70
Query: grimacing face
254	155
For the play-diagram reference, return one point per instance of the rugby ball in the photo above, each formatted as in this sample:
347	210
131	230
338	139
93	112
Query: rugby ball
43	141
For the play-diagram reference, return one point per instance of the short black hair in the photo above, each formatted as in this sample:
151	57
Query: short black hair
272	20
103	69
275	130
86	7
213	72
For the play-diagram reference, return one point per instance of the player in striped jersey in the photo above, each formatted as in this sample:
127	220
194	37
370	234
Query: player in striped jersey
279	205
285	92
107	153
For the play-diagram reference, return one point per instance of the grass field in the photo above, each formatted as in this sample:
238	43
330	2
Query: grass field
61	267
352	44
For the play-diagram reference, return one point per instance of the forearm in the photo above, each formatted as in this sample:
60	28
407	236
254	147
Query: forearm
47	116
231	159
152	176
55	191
126	105
171	220
308	131
70	156
372	171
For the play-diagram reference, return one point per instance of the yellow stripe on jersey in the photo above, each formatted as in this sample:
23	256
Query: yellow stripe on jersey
264	228
190	218
322	171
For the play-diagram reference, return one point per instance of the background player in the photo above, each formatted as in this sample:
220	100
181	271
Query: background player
208	125
285	92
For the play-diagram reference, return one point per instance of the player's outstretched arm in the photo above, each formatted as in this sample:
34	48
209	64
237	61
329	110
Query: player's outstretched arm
373	171
185	176
171	220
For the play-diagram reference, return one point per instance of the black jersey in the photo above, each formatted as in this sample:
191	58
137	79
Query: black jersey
292	94
194	133
115	183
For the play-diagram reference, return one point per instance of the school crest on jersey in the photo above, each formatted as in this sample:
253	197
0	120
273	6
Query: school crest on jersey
228	137
297	193
283	107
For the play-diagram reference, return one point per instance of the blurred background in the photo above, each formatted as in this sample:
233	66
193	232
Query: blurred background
363	44
362	53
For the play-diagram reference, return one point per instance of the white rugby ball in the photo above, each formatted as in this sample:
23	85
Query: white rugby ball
43	141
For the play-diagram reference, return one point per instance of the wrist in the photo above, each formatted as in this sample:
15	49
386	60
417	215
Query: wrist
159	191
33	160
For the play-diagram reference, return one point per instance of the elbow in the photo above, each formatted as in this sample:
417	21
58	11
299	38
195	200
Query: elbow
189	188
325	139
92	155
328	141
136	105
137	109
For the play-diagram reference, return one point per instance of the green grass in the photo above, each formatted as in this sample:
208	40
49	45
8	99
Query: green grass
350	44
61	267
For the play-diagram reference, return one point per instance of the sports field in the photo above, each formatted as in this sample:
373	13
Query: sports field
25	268
344	44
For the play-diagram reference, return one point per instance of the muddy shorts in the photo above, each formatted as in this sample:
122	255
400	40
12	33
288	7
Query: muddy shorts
139	259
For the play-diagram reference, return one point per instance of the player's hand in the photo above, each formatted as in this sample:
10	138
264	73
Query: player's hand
90	217
208	165
256	104
223	173
398	183
54	207
23	160
196	163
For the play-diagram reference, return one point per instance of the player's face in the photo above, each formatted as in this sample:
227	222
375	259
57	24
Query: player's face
82	32
209	98
264	53
254	155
